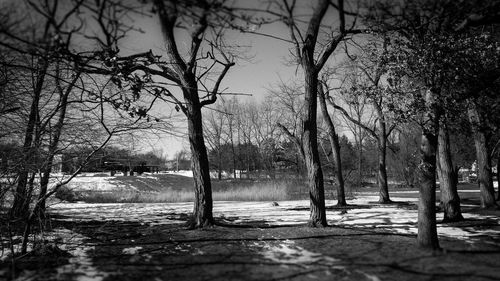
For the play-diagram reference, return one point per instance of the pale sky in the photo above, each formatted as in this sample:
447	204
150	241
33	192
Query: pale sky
254	77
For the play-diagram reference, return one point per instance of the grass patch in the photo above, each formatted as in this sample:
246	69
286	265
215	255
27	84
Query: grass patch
228	190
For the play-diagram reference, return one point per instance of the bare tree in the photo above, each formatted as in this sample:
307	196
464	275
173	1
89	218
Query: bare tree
290	105
304	38
334	142
370	90
214	129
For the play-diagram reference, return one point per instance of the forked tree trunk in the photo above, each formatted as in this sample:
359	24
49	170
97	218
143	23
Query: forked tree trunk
44	181
21	199
334	142
447	177
309	138
427	231
485	177
21	195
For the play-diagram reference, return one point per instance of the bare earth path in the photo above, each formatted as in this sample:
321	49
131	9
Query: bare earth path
261	242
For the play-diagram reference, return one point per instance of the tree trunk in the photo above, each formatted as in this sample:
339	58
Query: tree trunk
219	163
498	176
334	142
21	199
203	204
382	154
360	160
311	153
44	181
447	177
234	155
427	231
485	177
382	168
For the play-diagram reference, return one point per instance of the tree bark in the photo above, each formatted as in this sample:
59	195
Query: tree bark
498	176
381	139
44	181
382	170
311	153
485	178
334	142
447	177
360	158
203	204
427	231
21	200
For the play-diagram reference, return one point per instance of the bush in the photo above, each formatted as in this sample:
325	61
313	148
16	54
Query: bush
66	194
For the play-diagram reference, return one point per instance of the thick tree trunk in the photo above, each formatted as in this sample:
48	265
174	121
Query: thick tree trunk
427	231
382	169
485	177
447	178
203	204
311	153
334	142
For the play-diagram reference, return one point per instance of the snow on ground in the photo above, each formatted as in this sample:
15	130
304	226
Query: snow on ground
185	173
79	266
132	250
365	214
287	250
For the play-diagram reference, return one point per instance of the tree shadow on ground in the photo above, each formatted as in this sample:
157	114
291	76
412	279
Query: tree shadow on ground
257	250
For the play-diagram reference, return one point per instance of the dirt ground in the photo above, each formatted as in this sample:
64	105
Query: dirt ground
83	248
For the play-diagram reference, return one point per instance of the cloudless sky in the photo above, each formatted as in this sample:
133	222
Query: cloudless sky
265	69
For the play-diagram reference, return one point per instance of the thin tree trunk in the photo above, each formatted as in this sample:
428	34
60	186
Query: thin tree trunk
498	176
485	177
427	231
334	142
360	160
21	193
234	154
382	154
219	163
20	196
44	181
382	169
447	178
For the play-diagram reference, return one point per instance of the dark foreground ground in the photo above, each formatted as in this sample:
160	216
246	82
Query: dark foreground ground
133	251
366	241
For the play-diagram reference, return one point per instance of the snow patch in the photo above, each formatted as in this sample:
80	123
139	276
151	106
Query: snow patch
131	251
288	252
80	264
184	173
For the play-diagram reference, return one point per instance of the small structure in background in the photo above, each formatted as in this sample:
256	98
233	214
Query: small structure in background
468	175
